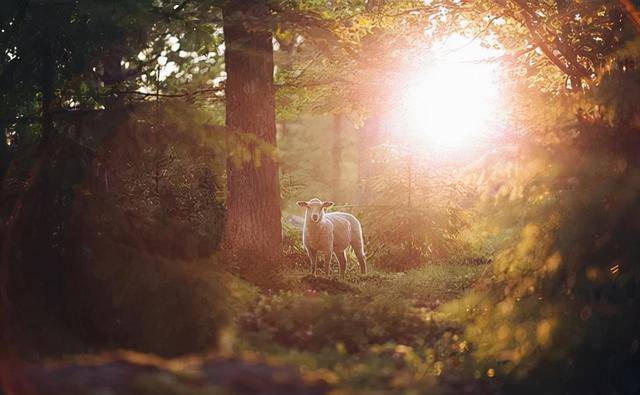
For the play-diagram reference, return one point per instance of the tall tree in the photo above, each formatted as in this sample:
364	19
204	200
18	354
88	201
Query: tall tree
336	157
253	224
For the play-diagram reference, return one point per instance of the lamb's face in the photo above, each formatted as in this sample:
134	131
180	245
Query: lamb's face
315	208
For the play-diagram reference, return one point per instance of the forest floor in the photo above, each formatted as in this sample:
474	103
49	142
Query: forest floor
378	333
382	333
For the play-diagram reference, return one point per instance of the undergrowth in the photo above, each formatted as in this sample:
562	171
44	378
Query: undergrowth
379	332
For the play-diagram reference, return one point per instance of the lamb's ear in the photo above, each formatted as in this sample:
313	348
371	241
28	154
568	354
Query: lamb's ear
327	204
302	203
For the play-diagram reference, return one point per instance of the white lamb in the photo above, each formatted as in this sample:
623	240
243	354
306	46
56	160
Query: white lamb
331	233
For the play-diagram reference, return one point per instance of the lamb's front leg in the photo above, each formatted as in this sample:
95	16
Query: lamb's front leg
327	262
313	259
328	253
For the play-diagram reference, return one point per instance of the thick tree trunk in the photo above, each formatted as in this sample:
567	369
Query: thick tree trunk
253	227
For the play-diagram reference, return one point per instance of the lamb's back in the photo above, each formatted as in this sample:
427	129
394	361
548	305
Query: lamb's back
349	227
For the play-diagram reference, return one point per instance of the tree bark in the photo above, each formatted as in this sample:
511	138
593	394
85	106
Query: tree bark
253	229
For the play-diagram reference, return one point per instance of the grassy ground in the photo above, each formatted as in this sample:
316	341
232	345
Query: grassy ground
379	333
382	333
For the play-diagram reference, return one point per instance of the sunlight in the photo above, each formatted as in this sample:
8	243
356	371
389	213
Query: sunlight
450	106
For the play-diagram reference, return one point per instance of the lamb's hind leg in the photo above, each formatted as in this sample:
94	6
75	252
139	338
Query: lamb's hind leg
357	243
362	261
358	248
342	259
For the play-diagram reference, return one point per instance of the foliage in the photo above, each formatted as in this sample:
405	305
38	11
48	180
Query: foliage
162	174
320	312
79	45
315	323
136	216
565	284
138	290
415	214
93	55
292	244
150	207
375	333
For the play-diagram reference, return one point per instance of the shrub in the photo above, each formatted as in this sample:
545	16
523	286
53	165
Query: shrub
560	308
413	216
147	222
163	179
115	239
292	246
315	321
128	298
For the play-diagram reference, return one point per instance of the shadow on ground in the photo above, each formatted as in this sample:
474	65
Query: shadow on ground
129	373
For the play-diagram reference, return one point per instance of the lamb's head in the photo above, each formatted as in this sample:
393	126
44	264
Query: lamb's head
315	209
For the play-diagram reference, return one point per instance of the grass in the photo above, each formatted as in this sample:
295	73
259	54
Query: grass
376	334
434	282
380	332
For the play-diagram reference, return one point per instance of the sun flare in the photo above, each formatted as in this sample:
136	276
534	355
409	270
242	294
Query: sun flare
450	105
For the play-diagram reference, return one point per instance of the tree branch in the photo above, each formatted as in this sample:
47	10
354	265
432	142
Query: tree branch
571	68
172	95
